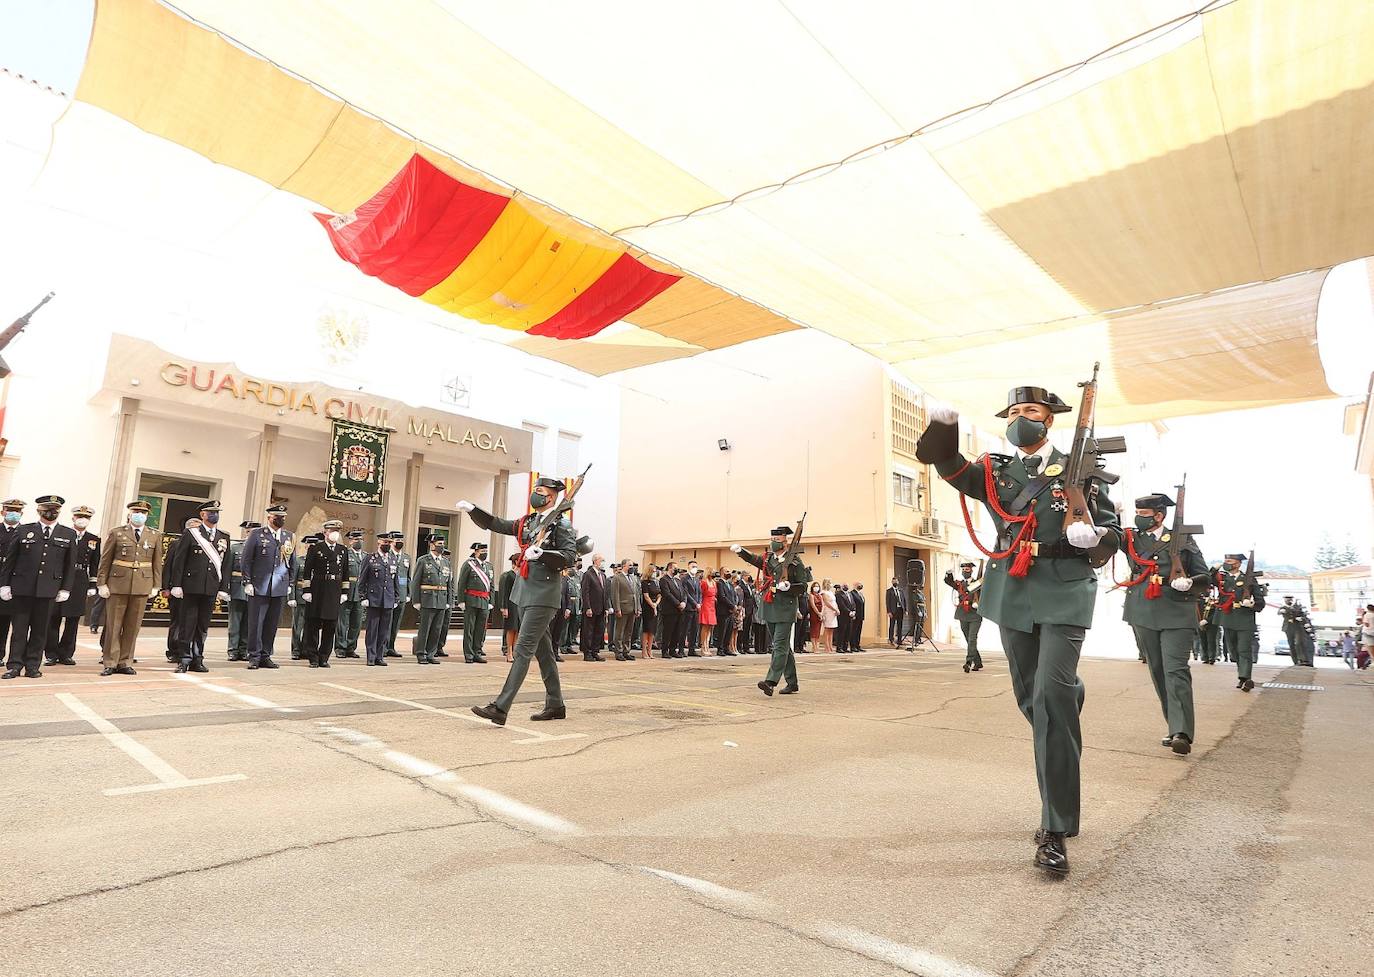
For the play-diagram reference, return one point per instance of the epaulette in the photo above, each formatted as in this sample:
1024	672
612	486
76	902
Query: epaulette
998	461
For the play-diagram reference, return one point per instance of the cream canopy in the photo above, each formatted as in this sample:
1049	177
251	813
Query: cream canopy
1147	184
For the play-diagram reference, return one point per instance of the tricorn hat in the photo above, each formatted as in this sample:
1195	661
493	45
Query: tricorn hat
557	484
1155	500
434	537
250	524
479	545
355	534
781	531
1034	395
966	563
1238	557
312	538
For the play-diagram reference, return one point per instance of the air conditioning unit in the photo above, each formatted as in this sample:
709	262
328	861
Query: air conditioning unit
930	526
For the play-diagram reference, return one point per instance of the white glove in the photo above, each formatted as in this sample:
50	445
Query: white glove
533	553
735	547
1183	584
6	593
290	603
943	414
90	591
363	602
62	596
103	591
783	585
178	593
416	605
343	598
464	506
1083	536
1248	602
306	597
223	597
248	589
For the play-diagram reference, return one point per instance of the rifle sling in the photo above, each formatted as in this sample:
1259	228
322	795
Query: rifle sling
1030	493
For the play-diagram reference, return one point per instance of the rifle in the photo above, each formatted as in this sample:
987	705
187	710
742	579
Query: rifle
550	519
1179	535
16	327
977	583
790	553
1086	466
1248	583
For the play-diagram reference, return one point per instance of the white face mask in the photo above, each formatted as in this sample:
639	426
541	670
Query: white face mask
138	518
81	523
333	537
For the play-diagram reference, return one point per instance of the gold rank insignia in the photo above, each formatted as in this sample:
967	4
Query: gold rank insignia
1054	470
1164	538
288	548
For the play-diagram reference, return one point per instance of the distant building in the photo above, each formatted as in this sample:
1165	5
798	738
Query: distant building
1342	590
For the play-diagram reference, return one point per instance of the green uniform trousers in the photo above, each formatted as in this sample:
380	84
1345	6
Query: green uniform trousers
533	642
238	634
784	663
970	629
1044	676
395	628
350	623
1168	652
297	630
474	631
1207	641
427	640
1241	642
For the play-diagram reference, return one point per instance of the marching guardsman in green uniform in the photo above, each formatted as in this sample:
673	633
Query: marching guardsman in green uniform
351	610
432	595
1208	620
1039	588
474	588
1237	614
299	584
966	611
402	566
538	596
1166	612
781	587
238	600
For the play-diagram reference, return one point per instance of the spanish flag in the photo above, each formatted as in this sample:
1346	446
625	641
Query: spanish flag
485	257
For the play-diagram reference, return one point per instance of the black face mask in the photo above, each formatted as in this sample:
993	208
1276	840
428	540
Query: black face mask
384	548
1144	523
1024	431
50	514
276	522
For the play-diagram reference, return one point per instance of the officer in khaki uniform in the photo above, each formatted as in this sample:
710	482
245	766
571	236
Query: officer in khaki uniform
780	590
1237	616
238	600
1165	616
474	597
432	596
130	571
1044	614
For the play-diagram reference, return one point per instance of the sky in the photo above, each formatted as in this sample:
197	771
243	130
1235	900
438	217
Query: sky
1276	479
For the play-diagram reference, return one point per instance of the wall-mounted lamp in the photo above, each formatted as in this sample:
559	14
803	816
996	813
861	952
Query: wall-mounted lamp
723	445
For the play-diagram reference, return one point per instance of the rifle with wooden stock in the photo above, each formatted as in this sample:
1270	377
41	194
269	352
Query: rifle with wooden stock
1086	467
550	519
1179	535
788	555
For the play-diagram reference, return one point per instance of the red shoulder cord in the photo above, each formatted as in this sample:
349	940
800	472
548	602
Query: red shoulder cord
1152	591
1022	545
1227	605
521	566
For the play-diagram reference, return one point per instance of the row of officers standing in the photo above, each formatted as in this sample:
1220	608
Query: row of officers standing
51	575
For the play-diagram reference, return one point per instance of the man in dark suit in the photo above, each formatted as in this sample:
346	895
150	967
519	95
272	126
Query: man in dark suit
200	574
726	602
9	532
748	602
896	611
856	639
39	571
594	610
558	627
672	611
691	626
845	622
66	618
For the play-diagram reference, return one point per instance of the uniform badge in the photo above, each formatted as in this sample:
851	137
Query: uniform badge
1055	469
91	543
221	546
1164	538
1060	505
288	548
30	535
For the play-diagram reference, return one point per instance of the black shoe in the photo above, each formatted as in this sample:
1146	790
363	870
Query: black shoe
977	668
480	660
381	662
33	673
393	654
295	658
967	668
1167	741
766	687
268	663
182	668
12	673
49	662
104	672
173	658
1247	685
560	658
1181	744
557	712
732	654
324	664
125	670
441	654
789	690
66	661
253	665
1052	855
199	666
693	654
491	713
313	665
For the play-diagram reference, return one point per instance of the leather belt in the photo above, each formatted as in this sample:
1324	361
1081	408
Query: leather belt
135	564
1060	550
436	586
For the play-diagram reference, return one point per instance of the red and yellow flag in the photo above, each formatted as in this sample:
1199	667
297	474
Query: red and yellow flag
485	257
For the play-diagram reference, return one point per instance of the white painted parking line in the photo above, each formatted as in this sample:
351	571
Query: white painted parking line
257	702
862	942
534	735
168	777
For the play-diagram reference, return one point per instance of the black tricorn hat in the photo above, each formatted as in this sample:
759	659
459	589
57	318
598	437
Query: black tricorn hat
557	484
782	531
1156	500
1034	395
1238	557
479	545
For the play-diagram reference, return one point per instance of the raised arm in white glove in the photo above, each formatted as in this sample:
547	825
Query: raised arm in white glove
1183	584
944	414
464	506
1083	536
735	547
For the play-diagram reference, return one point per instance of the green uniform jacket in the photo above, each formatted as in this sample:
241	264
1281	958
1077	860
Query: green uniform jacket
1172	608
405	581
960	587
783	606
235	587
1239	618
544	585
299	581
1056	590
355	567
432	585
468	580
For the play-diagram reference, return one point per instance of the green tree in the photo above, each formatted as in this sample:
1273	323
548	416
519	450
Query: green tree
1327	556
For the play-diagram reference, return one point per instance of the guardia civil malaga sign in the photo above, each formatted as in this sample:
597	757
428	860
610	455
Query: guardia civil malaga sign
357	463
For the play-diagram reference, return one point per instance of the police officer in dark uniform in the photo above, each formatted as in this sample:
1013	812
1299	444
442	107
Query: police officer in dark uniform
66	618
40	571
238	600
400	561
13	510
173	603
326	569
199	576
351	609
377	591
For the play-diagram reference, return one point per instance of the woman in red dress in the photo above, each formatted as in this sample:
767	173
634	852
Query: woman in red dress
817	609
707	620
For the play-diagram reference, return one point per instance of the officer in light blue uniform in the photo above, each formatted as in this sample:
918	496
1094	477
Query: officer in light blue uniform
378	592
401	561
268	564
